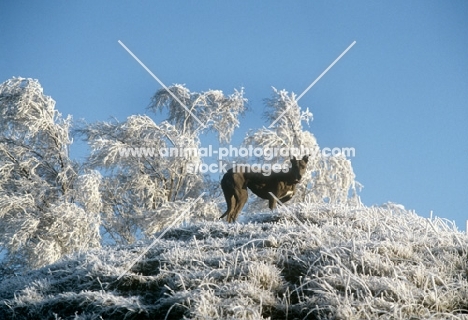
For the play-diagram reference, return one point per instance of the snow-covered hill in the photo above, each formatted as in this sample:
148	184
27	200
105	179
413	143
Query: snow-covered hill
331	262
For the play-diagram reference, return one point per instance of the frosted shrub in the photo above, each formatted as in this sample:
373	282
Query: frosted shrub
39	220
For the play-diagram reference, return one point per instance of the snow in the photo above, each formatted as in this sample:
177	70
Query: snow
341	262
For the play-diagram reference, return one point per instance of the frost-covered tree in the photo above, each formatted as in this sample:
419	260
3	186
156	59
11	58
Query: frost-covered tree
209	111
139	173
329	179
146	164
39	218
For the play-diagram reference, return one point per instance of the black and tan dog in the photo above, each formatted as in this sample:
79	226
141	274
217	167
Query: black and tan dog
281	184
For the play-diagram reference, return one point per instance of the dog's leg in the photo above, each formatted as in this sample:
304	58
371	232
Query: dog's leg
242	199
287	197
271	202
231	203
289	194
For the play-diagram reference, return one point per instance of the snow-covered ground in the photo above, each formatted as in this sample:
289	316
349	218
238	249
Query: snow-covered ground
332	262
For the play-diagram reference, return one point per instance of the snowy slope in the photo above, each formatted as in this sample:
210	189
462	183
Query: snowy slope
336	262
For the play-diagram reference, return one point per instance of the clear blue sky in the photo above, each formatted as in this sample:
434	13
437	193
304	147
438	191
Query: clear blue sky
399	96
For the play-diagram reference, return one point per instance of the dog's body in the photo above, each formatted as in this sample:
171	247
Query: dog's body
281	184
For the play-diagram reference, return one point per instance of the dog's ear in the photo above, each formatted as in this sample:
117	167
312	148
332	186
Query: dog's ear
305	158
293	159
